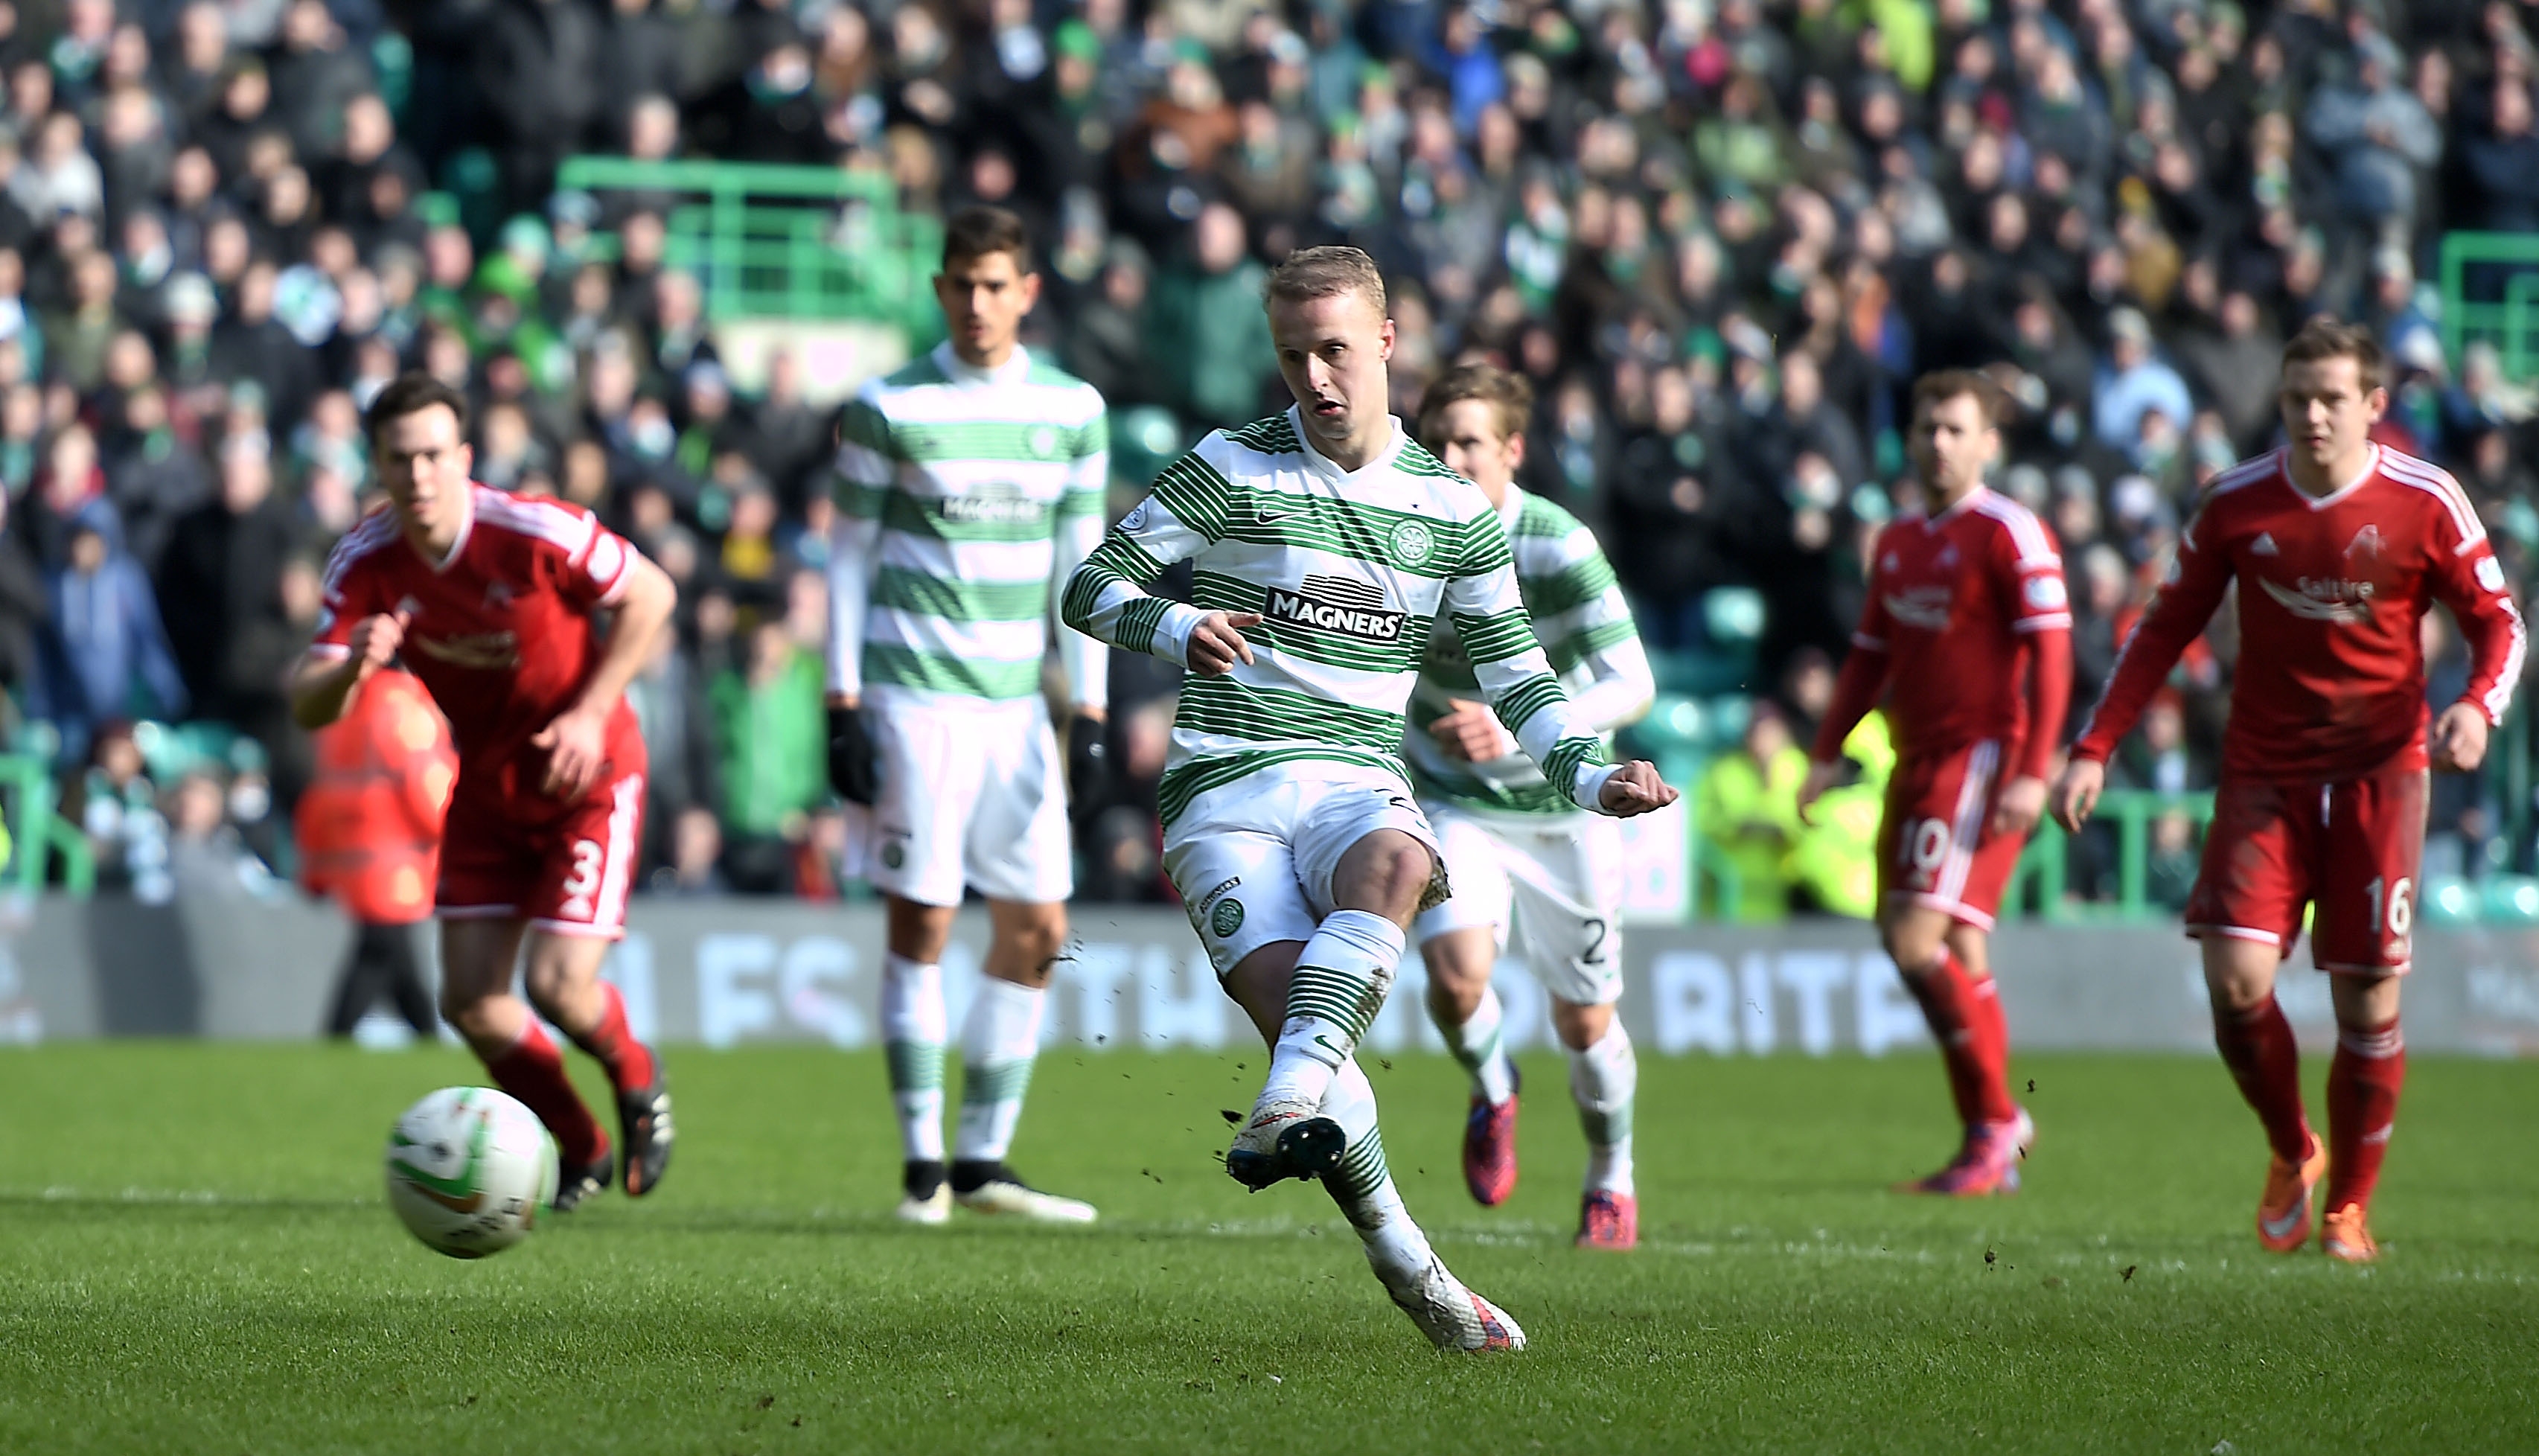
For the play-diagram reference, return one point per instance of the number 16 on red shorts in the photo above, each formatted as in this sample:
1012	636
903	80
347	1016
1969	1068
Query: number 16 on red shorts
2352	849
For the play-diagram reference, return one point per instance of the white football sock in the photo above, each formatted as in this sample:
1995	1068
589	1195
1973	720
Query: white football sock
1364	1188
1338	986
1603	1077
913	1032
996	1050
1479	1046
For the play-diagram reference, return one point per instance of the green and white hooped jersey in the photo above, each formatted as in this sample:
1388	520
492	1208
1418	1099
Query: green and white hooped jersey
966	499
1578	614
1349	571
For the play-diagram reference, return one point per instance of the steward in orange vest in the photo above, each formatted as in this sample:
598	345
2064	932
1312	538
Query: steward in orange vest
369	828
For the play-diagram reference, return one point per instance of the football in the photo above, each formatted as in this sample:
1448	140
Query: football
468	1169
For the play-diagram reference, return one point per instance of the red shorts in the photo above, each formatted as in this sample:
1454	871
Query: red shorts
2352	849
1936	845
568	876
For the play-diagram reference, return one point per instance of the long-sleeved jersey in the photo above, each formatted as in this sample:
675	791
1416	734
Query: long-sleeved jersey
967	498
1585	628
1348	570
1967	622
2330	682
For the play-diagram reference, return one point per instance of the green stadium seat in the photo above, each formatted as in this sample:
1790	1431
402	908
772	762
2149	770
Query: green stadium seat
1143	440
392	58
475	184
2449	900
2511	899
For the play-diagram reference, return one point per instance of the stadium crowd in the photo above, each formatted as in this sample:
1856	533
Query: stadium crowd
1720	237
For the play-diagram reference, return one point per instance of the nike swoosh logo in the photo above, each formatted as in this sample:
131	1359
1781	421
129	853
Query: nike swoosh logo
2278	1227
1325	1043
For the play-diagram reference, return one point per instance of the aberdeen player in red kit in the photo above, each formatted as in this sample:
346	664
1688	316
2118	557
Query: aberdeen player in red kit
1968	636
2338	547
492	601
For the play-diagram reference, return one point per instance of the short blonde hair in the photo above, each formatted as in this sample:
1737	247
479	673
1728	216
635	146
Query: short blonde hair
1324	273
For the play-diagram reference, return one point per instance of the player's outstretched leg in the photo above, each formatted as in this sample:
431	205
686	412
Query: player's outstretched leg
2362	1082
1453	1317
1337	988
1603	1077
915	1027
1467	1012
1001	1040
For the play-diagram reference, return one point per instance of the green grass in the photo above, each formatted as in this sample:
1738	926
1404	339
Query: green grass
195	1255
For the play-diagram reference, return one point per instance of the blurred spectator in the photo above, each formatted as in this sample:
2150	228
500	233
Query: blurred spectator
2377	135
225	561
103	649
669	706
1748	806
207	857
2134	382
769	724
2504	160
1205	326
25	609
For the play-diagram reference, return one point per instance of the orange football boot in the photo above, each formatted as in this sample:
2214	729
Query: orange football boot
2348	1237
2283	1211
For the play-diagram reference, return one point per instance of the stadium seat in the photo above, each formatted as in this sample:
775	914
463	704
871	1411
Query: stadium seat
2448	900
1143	440
2511	899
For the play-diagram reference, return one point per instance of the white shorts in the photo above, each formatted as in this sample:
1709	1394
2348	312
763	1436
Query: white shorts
971	792
1254	859
1559	886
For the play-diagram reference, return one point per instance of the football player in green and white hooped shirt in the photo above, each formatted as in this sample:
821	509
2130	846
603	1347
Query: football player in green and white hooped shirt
972	486
1518	852
1334	541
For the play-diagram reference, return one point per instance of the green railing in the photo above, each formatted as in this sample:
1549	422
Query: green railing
2490	291
804	244
36	833
2045	864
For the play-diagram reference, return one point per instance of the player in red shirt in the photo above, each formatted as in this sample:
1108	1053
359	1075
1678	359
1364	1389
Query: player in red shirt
2338	546
492	601
1967	637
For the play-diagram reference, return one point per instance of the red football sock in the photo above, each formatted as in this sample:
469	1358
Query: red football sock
2257	1046
1959	1015
628	1062
2362	1082
1992	1033
533	1071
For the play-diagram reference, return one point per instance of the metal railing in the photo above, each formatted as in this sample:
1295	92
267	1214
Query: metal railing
804	244
37	833
2490	292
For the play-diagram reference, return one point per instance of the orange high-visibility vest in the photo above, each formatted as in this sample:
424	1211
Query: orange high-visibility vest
370	822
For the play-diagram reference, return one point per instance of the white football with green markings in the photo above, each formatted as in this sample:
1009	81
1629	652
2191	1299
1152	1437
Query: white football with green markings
469	1170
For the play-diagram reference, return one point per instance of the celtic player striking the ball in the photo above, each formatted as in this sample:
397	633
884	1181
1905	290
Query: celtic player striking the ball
1327	541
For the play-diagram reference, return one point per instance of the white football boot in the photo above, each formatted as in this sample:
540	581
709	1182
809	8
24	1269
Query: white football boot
935	1207
1004	1193
1453	1317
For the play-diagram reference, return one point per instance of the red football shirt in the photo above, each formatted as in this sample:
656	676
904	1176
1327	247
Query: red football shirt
1954	601
502	633
2331	674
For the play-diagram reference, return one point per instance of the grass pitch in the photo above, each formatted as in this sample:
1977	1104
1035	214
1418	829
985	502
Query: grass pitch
197	1257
